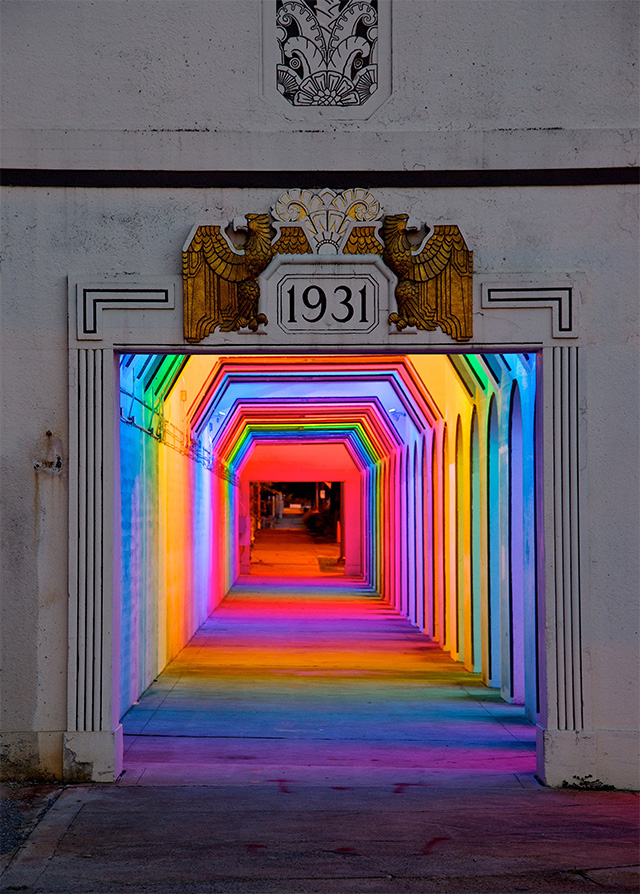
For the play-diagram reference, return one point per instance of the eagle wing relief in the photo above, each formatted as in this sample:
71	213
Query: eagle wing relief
291	241
220	281
363	240
211	271
195	304
435	284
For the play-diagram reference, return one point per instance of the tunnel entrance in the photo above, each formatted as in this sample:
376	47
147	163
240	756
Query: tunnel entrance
427	465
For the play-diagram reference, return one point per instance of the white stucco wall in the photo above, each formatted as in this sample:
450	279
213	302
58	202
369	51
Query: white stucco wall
177	86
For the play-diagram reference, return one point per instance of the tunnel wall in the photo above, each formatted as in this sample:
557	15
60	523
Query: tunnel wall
441	561
173	573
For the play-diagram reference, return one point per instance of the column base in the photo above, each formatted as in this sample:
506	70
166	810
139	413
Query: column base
92	756
31	756
589	759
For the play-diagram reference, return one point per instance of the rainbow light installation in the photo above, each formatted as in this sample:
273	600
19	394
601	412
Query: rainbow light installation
437	456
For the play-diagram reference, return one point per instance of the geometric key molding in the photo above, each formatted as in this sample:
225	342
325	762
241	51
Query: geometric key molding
93	298
561	300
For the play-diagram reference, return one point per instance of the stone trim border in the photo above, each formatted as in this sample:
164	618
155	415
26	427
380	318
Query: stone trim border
93	299
94	510
561	300
466	178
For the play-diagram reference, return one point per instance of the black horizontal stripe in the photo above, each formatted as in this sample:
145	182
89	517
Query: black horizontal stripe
115	179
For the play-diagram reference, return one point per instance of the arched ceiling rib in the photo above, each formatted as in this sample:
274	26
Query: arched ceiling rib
371	404
392	381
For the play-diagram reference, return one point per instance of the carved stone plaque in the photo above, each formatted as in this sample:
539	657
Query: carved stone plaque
333	301
328	57
328	51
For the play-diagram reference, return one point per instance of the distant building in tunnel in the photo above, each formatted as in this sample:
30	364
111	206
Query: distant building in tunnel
216	273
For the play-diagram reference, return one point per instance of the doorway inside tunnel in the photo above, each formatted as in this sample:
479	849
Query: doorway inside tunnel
421	468
292	529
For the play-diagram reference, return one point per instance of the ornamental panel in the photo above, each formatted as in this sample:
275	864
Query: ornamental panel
434	278
327	57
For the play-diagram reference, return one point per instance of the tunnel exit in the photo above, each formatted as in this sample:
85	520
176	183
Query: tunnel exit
426	461
293	528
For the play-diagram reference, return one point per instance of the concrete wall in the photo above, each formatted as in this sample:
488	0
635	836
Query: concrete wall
169	584
177	84
476	86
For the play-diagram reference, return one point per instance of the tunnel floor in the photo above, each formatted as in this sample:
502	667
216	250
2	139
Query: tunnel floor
287	550
315	681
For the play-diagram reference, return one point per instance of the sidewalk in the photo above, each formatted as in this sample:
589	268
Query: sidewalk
289	550
273	838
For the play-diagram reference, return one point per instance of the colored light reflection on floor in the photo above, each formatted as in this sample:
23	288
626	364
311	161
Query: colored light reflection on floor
435	457
320	685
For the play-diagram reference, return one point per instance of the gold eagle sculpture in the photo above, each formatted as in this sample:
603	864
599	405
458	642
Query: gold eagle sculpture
435	281
221	282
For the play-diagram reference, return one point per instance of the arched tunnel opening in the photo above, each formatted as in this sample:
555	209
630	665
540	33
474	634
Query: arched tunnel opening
295	528
415	609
